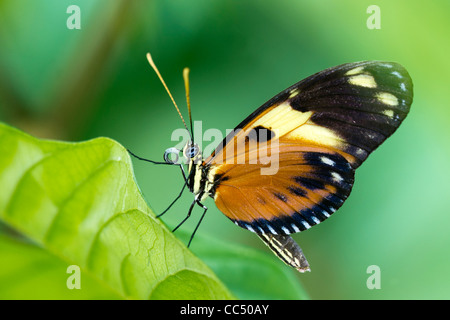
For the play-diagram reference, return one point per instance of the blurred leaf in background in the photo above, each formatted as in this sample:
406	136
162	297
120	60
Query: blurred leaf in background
80	84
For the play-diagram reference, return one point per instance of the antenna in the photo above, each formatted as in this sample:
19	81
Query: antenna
152	64
188	99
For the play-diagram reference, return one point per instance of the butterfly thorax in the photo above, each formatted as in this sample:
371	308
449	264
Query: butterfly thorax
201	180
200	177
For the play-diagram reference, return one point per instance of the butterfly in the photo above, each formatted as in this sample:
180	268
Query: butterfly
319	130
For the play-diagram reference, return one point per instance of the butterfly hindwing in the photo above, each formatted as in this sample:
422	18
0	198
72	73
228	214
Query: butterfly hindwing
324	126
310	185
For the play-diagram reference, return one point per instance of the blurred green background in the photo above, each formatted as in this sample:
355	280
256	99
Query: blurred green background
80	84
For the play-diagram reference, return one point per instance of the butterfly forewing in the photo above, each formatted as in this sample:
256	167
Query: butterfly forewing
355	106
324	127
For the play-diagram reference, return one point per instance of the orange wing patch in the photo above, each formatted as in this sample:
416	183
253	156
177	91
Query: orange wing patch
310	185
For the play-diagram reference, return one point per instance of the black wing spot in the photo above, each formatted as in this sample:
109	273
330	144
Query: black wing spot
220	177
260	134
297	105
280	196
309	183
297	191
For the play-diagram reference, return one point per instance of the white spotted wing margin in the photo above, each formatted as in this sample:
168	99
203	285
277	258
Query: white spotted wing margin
287	250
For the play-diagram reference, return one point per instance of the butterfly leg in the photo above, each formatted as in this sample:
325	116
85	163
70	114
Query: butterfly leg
182	172
158	162
173	202
205	208
187	217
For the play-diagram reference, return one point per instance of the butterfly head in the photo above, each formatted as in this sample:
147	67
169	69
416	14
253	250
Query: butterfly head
192	153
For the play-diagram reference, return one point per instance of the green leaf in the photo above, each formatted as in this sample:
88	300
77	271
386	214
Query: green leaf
80	204
31	272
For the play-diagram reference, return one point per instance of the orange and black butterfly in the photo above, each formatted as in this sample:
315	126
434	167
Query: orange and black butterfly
319	130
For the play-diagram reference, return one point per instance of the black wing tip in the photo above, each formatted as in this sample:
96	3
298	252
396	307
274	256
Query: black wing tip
389	74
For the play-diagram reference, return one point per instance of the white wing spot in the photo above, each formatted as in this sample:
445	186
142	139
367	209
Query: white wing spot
249	227
337	177
294	92
359	151
285	230
306	224
354	71
386	65
317	221
387	98
389	113
296	229
397	74
327	161
271	229
363	80
403	86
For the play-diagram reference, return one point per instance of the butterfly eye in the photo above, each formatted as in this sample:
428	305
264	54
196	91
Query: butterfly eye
171	155
191	151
